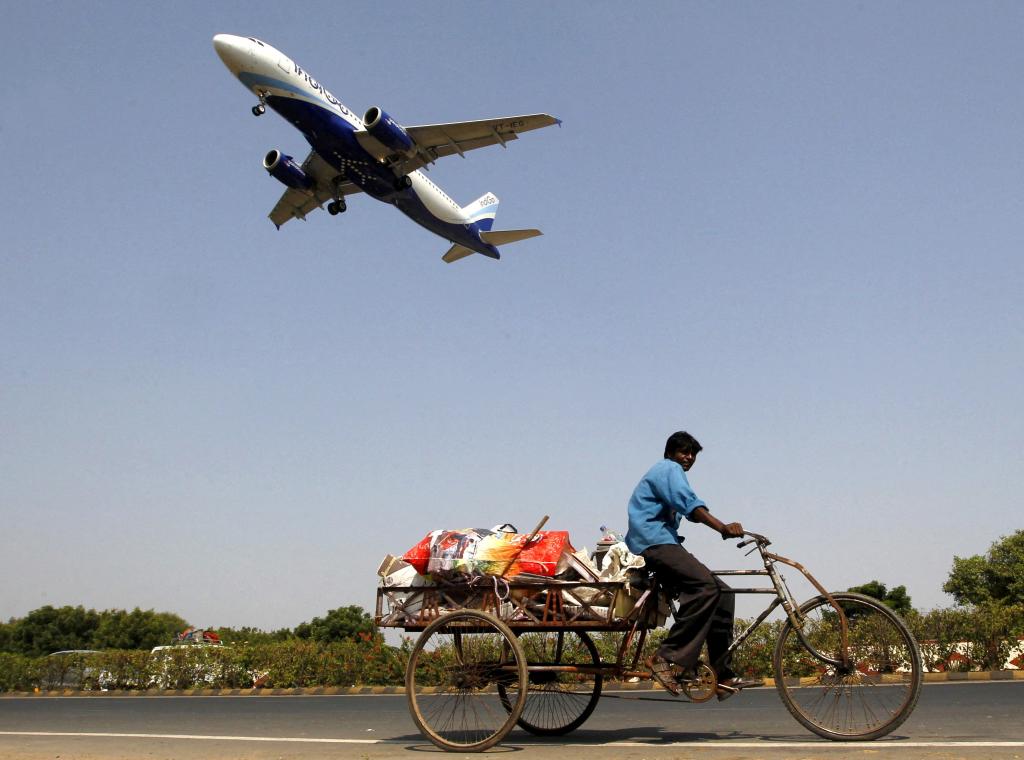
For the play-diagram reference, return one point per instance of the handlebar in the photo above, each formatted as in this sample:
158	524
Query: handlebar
754	538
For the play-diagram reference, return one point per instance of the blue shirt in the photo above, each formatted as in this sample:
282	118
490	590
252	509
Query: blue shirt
659	502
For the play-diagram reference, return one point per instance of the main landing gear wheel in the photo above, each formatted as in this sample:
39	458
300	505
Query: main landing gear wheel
856	693
450	682
559	700
403	183
259	109
336	207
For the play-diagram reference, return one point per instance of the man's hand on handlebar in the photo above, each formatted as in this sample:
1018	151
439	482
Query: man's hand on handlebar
731	530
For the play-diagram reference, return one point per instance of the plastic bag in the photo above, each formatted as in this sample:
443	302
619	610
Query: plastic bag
479	551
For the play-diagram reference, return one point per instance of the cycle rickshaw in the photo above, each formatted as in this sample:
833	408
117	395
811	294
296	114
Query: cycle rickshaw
492	654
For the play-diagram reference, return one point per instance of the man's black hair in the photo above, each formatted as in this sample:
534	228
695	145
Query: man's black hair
683	442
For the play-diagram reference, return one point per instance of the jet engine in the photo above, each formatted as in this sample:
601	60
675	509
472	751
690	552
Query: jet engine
285	169
386	130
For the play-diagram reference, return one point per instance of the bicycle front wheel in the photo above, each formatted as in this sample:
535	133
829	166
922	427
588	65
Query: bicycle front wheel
452	681
858	693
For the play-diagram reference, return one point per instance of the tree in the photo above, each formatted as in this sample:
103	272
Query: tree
50	629
338	625
996	577
138	629
993	585
250	635
896	599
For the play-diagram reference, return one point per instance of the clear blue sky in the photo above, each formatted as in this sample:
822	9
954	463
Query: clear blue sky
793	229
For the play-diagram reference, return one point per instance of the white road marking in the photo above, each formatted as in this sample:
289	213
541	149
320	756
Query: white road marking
100	735
889	744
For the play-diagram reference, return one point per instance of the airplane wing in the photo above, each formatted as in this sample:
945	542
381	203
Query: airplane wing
295	204
434	141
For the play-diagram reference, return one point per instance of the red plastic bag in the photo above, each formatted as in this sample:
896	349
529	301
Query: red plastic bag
478	551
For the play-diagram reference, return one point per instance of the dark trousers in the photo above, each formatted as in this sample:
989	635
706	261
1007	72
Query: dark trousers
704	613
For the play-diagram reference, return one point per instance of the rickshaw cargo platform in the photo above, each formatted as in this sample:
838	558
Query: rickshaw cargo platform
522	605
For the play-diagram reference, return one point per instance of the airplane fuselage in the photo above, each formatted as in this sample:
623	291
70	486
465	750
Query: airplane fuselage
329	127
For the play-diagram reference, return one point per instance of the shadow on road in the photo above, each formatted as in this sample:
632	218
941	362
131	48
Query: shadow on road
654	735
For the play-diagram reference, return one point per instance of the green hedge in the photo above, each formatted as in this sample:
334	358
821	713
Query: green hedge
294	663
980	637
968	638
17	672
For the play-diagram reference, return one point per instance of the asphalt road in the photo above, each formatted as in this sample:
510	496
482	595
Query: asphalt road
971	720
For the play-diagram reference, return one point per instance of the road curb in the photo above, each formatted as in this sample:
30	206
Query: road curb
994	675
997	675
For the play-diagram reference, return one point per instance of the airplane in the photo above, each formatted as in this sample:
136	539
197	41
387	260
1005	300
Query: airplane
374	154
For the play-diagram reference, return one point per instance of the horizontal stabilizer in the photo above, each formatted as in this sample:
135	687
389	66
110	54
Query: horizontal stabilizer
503	237
457	252
495	238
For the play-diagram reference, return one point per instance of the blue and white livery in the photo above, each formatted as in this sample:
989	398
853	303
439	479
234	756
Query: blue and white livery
374	154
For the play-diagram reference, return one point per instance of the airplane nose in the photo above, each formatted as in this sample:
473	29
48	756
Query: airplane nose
234	51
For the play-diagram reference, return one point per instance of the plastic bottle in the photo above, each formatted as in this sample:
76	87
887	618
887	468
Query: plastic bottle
608	539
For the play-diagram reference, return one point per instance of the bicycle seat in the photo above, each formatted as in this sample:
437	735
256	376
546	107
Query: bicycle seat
642	579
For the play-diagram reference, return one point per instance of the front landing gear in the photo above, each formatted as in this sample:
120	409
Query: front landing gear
336	207
260	108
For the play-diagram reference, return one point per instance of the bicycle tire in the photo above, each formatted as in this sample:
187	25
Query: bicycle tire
869	696
557	703
448	682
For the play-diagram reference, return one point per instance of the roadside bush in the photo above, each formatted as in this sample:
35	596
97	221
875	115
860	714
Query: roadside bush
754	658
938	633
994	633
118	669
385	665
299	663
18	673
967	638
189	667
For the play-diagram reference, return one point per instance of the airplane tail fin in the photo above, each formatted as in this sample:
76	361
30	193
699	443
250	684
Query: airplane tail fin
482	211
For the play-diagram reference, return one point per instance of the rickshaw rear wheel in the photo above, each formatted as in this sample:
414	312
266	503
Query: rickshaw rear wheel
455	670
558	701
